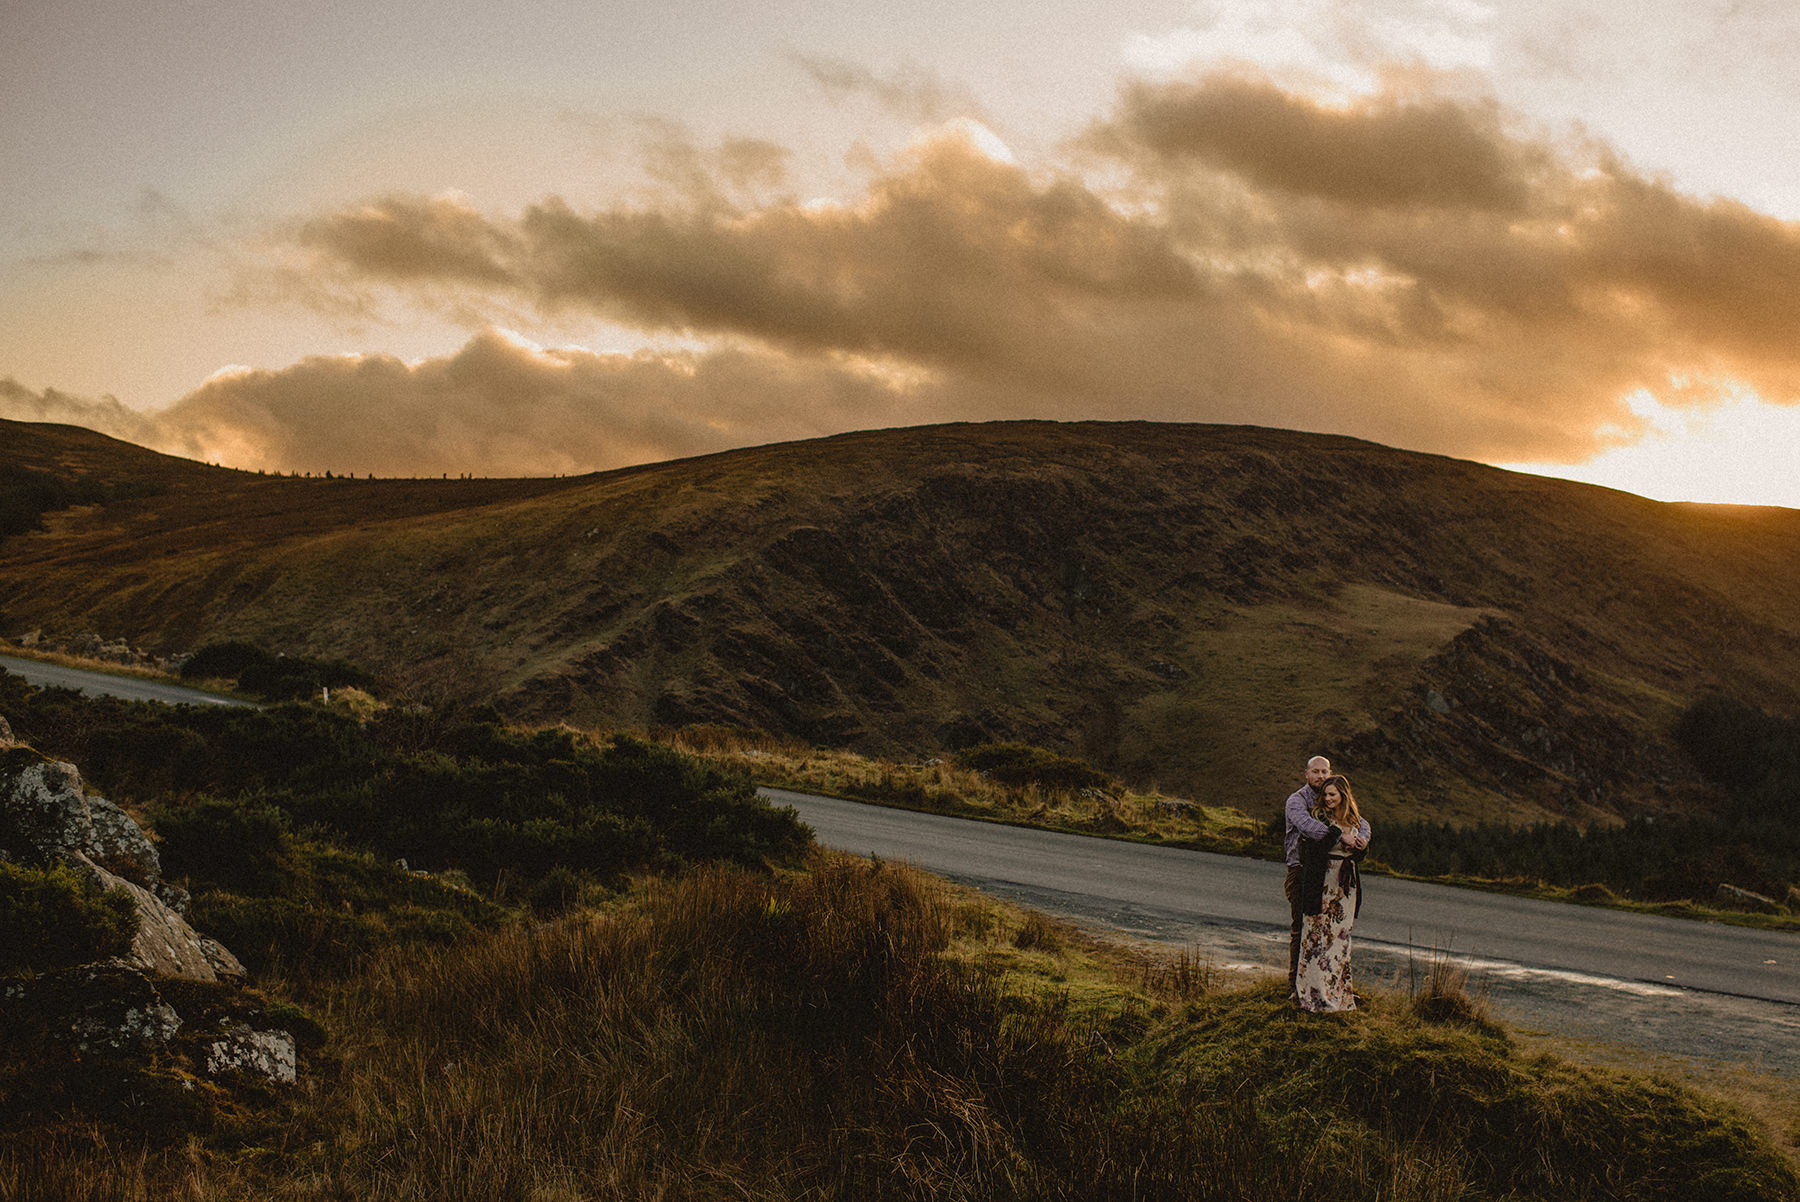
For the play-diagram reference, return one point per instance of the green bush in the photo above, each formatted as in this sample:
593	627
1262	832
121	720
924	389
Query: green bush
256	808
236	843
224	660
1019	765
54	917
335	908
27	495
272	676
556	892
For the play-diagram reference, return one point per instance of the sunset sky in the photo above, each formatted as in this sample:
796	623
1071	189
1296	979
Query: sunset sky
413	238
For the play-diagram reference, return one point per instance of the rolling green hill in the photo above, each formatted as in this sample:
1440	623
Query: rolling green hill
1201	607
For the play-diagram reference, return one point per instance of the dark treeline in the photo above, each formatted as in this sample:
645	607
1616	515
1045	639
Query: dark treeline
1752	843
26	496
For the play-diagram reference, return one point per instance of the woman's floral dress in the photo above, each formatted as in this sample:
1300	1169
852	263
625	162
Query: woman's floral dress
1323	981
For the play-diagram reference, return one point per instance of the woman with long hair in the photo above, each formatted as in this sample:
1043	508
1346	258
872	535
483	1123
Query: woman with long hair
1331	893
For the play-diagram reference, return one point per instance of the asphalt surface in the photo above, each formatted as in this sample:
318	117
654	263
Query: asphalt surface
103	684
1665	985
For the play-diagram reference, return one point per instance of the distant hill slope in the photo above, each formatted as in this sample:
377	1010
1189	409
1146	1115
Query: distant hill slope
1197	606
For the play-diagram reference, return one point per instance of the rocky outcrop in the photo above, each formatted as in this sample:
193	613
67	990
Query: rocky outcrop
165	944
48	817
1496	709
170	1013
103	1009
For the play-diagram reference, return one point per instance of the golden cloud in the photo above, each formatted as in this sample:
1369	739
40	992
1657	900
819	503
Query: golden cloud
104	414
412	238
1383	152
500	406
1406	268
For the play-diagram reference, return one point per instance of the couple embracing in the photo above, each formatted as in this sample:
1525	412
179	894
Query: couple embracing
1325	838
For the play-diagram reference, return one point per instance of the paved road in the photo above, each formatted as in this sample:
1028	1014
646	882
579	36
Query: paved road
1683	993
96	684
1150	887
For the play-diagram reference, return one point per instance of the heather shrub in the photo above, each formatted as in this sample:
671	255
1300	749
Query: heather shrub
54	917
1017	764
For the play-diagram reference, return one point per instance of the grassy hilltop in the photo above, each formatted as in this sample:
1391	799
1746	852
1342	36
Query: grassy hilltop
1195	607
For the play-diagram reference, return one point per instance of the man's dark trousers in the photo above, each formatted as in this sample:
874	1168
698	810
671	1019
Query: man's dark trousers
1291	887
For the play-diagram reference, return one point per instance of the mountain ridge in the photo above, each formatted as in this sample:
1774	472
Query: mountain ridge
1199	607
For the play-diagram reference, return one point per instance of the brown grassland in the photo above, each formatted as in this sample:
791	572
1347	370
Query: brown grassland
857	1030
1194	609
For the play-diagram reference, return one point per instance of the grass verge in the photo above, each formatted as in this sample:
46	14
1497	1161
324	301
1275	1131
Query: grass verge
859	1030
942	787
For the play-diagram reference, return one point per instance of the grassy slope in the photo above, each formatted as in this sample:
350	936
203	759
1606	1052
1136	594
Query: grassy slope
862	1031
1193	607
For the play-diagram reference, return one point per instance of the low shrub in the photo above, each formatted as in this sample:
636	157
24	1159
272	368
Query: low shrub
333	908
1018	764
451	788
222	660
555	892
54	917
27	495
272	676
226	843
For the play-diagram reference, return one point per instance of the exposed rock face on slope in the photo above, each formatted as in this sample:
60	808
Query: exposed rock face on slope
47	817
126	1036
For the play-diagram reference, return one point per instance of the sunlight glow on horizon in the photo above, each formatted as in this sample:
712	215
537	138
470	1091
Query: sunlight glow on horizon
1738	453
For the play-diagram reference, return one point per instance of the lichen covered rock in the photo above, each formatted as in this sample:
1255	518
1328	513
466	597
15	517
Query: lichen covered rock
43	808
47	817
165	944
267	1054
106	1009
119	845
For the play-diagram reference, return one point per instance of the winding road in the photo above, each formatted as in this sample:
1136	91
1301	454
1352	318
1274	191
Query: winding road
104	684
1665	985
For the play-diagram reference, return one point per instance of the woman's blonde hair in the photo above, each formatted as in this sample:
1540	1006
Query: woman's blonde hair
1352	813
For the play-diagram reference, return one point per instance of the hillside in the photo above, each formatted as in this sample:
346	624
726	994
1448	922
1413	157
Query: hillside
1195	606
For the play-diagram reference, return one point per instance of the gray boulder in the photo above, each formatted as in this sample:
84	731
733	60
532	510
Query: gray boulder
47	817
43	810
120	846
267	1054
164	944
106	1008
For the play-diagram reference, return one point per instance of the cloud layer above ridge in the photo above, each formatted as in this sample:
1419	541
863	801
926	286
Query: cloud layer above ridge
1410	267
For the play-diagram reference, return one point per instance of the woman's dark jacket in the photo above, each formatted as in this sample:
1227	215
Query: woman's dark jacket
1315	862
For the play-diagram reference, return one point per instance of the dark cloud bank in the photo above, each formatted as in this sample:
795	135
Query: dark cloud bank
1407	269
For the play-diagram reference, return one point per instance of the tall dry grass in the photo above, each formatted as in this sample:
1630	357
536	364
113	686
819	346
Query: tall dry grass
732	1034
941	786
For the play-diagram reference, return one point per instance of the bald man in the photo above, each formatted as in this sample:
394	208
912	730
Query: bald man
1300	822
